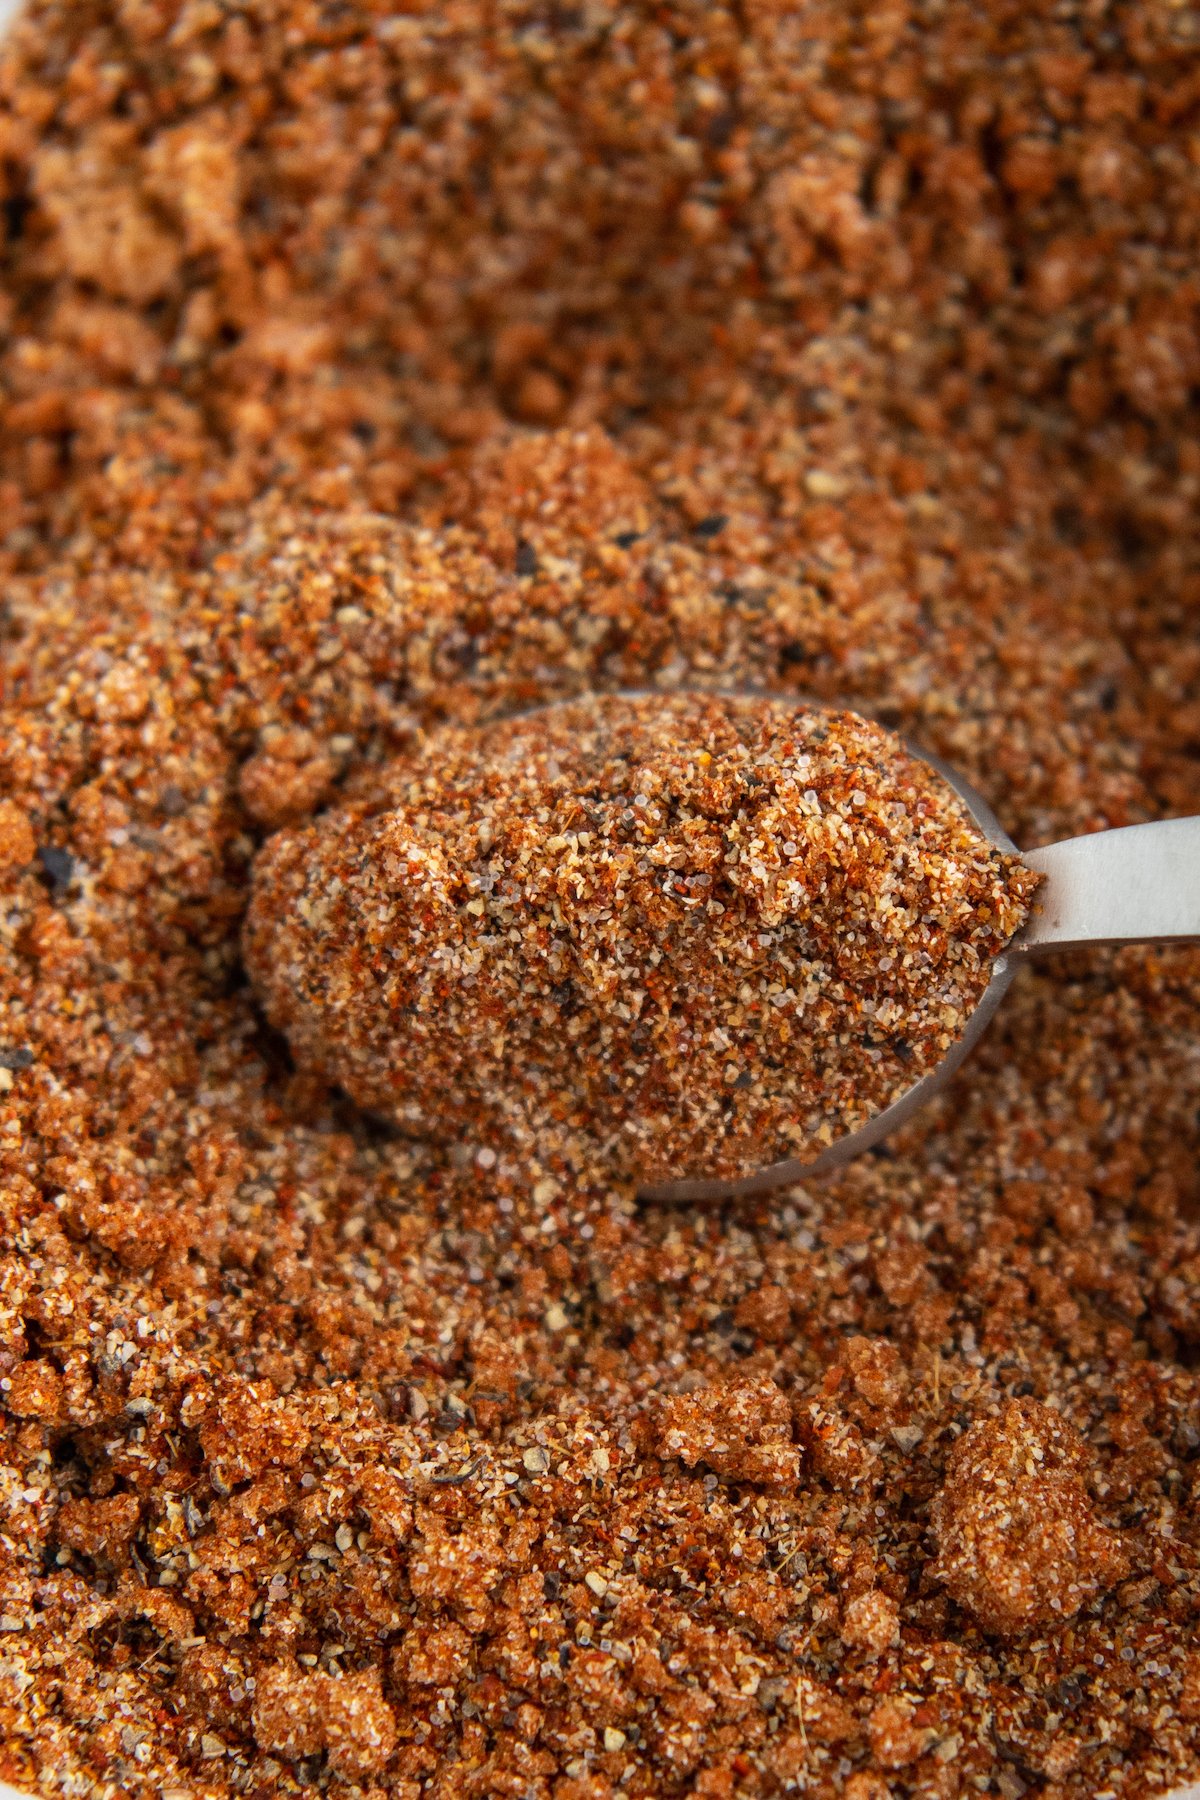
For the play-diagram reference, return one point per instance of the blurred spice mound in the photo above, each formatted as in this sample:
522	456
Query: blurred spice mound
362	372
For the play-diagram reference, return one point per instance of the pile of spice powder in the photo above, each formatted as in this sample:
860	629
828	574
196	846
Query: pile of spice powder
702	934
366	371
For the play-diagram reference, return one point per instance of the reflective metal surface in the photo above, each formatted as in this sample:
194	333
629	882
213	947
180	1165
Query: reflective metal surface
1139	885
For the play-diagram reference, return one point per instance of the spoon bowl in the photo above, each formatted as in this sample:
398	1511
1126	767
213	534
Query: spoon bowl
1135	884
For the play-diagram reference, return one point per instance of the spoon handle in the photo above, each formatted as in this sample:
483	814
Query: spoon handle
1134	886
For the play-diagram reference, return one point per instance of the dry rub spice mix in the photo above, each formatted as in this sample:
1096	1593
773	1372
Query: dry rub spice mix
684	935
372	377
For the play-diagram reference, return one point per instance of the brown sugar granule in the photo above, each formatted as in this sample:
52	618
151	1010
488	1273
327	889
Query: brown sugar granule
1019	1544
740	1429
35	1390
366	372
298	1714
705	934
871	1622
17	844
101	1528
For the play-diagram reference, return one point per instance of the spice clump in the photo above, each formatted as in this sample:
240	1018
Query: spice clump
699	933
1019	1543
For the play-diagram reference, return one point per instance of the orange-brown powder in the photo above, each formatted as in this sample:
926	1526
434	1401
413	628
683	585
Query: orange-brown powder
699	934
366	373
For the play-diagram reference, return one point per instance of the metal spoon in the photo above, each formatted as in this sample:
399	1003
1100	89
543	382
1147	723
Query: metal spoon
1137	885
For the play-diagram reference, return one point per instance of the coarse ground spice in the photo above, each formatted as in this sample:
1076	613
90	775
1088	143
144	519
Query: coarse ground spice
368	371
697	935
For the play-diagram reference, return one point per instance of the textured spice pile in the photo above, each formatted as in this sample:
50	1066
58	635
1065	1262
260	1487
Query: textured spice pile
364	373
694	935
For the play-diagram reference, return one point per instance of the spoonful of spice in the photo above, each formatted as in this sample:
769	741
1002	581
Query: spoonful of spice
721	941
